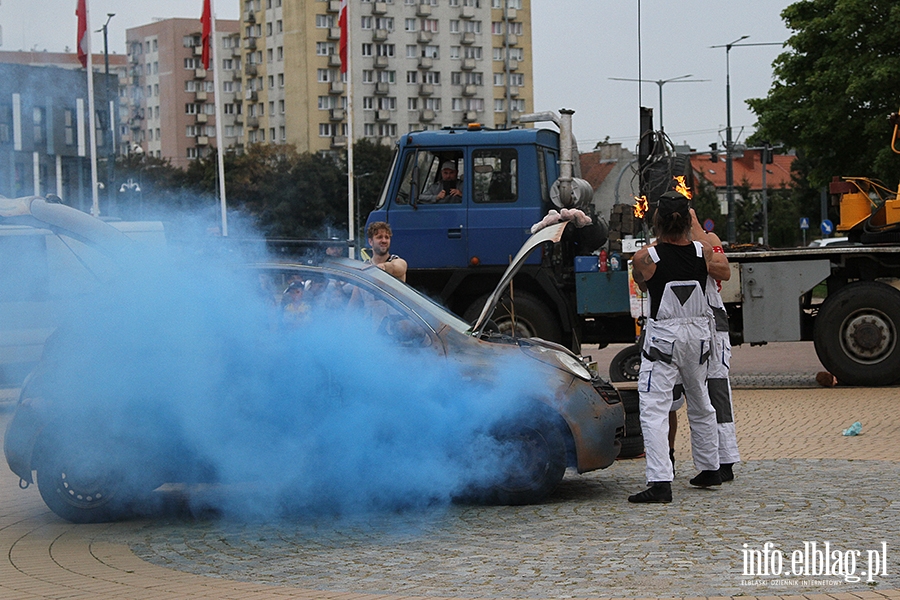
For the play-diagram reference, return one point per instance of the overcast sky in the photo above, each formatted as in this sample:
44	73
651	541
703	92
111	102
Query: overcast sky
578	46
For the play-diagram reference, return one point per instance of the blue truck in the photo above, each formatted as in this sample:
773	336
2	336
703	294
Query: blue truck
457	250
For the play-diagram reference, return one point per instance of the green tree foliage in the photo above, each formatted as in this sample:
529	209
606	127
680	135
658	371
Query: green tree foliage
834	87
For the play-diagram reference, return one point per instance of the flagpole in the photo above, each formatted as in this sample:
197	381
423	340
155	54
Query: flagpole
92	117
351	213
220	145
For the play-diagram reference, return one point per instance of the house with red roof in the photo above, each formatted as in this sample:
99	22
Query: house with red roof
747	168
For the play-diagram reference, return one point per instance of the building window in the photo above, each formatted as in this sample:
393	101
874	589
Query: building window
409	25
433	77
384	50
384	23
68	121
366	22
324	21
192	152
324	75
431	52
367	50
325	48
412	77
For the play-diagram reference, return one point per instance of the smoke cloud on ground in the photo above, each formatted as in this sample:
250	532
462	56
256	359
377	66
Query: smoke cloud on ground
179	370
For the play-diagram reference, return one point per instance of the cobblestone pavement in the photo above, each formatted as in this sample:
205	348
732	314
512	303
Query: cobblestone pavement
801	481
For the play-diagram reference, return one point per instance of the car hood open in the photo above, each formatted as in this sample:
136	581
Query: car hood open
553	234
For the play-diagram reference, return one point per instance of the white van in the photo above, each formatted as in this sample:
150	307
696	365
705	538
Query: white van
50	254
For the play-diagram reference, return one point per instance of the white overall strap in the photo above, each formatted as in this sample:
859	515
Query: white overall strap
699	248
653	253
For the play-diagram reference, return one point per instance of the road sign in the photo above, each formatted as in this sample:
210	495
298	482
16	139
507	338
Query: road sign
708	225
804	222
827	227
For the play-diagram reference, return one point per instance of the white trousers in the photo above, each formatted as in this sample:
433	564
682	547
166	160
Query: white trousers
719	388
673	349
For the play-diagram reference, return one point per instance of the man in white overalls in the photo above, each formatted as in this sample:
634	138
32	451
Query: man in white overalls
677	341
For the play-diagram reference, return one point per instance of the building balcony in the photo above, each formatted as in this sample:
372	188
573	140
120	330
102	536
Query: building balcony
382	88
381	62
426	116
424	37
339	141
250	95
334	33
250	16
201	96
253	122
382	115
237	75
470	116
202	140
334	60
336	114
511	14
251	43
202	118
511	40
198	50
336	88
426	62
238	119
513	64
380	35
467	12
426	89
467	64
379	8
199	73
467	38
513	91
251	70
423	10
469	90
334	6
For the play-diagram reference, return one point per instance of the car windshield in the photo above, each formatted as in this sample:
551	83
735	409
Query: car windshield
416	300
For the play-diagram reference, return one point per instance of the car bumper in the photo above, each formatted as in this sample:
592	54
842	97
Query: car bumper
596	426
21	436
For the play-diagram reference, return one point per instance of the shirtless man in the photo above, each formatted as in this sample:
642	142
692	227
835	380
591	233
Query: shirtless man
379	236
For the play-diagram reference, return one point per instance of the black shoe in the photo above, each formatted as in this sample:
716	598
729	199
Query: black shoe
726	472
672	458
659	492
707	479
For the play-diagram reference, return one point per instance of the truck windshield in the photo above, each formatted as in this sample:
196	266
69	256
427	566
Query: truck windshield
387	181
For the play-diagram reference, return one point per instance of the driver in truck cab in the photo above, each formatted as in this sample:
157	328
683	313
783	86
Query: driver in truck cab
448	189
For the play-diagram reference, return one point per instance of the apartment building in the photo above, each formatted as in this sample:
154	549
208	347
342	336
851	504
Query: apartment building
171	98
415	64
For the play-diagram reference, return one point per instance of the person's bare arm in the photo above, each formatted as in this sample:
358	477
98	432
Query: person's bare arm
642	268
396	267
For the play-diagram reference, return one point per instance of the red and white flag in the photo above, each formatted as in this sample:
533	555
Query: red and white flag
206	23
82	41
342	47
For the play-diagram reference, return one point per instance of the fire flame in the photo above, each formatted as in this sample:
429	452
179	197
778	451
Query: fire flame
640	206
681	188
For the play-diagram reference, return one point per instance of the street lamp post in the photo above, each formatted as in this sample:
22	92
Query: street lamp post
110	159
729	167
729	149
661	83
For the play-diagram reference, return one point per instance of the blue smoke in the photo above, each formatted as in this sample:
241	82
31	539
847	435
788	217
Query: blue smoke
180	371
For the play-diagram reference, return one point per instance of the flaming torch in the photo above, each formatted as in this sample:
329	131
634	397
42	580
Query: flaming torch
681	188
640	207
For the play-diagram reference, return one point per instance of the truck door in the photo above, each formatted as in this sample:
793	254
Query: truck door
433	231
500	214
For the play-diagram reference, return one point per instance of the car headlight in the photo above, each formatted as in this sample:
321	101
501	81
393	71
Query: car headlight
561	360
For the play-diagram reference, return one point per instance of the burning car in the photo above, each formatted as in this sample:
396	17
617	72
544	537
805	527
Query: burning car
170	390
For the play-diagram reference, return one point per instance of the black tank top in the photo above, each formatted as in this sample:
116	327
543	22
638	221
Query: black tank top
676	263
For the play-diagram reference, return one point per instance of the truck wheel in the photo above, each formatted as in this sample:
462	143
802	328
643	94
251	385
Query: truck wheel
626	365
856	334
533	318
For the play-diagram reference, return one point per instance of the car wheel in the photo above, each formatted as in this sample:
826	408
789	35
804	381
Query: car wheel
79	489
626	365
536	465
532	317
856	334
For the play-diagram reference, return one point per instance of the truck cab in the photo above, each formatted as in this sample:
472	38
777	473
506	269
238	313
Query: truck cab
504	177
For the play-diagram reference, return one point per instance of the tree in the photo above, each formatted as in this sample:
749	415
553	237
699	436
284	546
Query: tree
834	87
